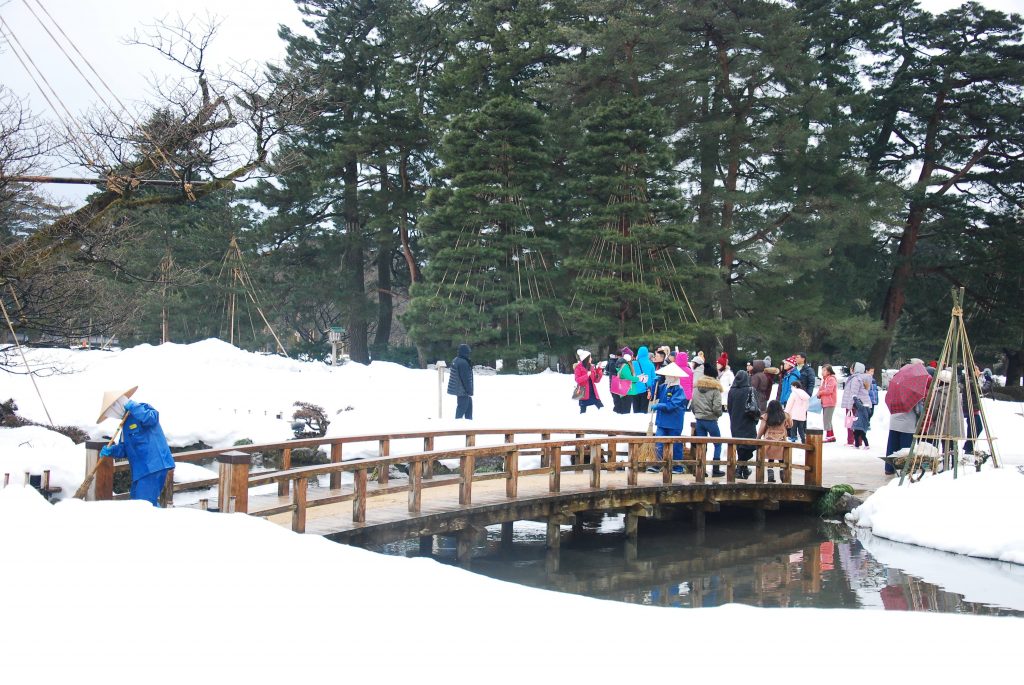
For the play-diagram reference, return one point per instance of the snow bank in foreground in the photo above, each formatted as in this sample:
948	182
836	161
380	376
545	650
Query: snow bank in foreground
977	514
121	592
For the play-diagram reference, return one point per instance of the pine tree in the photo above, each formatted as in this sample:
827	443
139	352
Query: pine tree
487	279
946	97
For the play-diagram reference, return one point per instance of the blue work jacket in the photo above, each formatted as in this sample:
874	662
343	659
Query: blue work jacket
142	441
671	407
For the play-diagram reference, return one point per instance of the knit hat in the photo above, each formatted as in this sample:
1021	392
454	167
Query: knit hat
767	361
858	368
672	370
582	354
723	360
915	360
791	360
626	350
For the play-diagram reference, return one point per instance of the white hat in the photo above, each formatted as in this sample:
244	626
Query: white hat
915	360
582	354
110	397
945	376
673	370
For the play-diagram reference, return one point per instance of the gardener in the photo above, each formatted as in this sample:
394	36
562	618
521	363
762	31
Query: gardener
671	408
142	442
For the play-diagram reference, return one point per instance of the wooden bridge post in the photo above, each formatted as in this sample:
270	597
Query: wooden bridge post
786	472
470	439
234	481
613	453
759	467
286	463
545	454
507	528
102	487
667	462
595	466
730	467
555	475
512	474
359	478
580	456
466	467
701	452
166	495
631	469
385	451
415	486
428	465
812	458
336	459
299	489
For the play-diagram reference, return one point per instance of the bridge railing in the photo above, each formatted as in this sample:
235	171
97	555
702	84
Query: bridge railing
103	482
585	455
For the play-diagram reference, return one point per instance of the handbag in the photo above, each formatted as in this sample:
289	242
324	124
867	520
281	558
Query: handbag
577	393
619	386
814	406
751	408
849	421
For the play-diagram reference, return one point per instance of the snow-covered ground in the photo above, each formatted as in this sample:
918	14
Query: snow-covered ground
119	591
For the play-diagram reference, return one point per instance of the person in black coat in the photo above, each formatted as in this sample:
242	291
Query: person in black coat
460	383
740	424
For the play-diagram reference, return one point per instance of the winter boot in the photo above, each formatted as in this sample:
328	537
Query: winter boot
771	475
830	436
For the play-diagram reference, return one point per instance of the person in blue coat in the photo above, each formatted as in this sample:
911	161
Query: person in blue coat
143	443
671	409
789	374
645	370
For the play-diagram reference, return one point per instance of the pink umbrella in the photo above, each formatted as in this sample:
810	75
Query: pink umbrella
907	388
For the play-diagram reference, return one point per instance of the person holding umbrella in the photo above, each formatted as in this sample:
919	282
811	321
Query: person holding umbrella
142	443
905	400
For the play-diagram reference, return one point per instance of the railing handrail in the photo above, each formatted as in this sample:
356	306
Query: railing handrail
369	463
196	455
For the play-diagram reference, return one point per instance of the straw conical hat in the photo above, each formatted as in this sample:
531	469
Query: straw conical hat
673	370
111	396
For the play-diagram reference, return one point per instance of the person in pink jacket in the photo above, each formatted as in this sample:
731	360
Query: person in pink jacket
588	375
796	407
683	361
827	395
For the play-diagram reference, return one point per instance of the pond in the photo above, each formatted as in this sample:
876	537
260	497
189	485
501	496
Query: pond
790	561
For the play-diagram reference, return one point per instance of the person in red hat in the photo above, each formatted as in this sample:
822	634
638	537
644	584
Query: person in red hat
725	376
789	374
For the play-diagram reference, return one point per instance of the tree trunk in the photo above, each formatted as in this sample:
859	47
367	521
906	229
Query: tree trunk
1014	367
354	265
385	300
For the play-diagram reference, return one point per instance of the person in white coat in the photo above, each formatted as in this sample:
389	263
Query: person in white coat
725	376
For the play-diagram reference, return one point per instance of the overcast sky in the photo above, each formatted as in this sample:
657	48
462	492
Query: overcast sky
99	28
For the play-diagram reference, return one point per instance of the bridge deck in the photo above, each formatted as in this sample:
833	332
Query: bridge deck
389	510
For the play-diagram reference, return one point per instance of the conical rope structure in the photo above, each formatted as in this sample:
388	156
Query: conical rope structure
950	406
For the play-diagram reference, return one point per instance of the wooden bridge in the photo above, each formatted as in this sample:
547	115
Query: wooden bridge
533	474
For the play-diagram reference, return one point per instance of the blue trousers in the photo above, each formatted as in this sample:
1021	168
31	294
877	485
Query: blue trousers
464	407
677	448
897	441
709	427
978	428
149	487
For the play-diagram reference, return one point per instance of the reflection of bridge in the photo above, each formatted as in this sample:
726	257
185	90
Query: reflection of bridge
519	478
635	574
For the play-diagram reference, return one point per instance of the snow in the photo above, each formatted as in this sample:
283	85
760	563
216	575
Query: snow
119	591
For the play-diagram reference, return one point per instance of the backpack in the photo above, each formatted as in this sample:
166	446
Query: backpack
751	407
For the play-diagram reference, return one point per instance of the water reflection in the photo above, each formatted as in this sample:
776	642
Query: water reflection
791	562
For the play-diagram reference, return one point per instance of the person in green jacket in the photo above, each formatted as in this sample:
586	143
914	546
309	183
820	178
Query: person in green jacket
628	370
